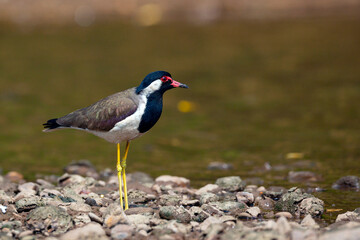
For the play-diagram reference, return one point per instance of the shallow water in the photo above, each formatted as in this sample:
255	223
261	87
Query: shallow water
258	91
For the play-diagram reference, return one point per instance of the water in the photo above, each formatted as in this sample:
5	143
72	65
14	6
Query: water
258	91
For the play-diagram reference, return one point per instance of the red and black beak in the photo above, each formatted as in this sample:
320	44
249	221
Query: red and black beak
177	84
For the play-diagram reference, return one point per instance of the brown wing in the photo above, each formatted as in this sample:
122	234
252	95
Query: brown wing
102	115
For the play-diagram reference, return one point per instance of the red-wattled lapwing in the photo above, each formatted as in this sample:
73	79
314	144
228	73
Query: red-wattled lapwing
122	116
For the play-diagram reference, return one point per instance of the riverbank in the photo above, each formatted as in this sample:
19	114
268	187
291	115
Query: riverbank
87	207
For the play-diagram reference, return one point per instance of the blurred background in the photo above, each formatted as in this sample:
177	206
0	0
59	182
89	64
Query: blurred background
274	87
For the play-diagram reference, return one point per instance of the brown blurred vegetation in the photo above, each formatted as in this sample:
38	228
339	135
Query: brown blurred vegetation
85	12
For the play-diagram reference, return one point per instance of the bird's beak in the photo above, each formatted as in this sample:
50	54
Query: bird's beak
177	84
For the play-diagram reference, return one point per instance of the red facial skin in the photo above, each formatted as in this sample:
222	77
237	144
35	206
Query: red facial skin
173	82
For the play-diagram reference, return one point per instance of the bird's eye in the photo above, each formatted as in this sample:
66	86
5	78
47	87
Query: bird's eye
164	79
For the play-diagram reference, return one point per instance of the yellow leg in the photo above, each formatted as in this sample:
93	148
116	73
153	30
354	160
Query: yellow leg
123	165
119	170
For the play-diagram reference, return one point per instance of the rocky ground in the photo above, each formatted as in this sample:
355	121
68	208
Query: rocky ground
87	207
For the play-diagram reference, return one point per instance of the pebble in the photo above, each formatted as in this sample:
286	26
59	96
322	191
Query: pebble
213	188
302	176
232	184
220	166
172	181
284	214
347	183
75	210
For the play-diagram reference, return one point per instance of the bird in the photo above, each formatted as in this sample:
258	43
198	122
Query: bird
121	117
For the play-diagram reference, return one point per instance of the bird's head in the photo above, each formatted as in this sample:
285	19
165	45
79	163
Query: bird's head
158	81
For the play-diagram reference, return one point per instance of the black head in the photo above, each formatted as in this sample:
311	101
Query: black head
159	81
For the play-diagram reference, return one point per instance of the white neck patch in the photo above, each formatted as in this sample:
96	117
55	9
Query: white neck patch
153	87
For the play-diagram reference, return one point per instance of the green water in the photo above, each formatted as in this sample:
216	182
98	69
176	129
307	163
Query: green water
261	90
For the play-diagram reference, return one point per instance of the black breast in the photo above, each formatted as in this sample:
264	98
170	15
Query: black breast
152	112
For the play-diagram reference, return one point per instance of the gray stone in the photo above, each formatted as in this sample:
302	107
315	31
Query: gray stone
284	214
49	219
122	231
245	197
83	168
26	204
172	181
198	214
303	176
208	197
253	211
265	203
312	206
140	177
81	219
308	221
169	200
347	183
213	188
140	210
177	213
138	219
228	206
95	218
220	166
233	183
113	215
348	216
292	202
209	221
137	196
212	210
343	233
6	198
89	231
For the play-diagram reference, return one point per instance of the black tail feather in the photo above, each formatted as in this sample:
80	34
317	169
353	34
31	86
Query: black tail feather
51	124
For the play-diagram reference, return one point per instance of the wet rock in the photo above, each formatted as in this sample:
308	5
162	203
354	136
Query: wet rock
49	219
220	166
83	168
293	202
303	176
89	231
213	188
309	222
253	211
178	213
265	203
122	231
348	216
347	183
208	197
312	206
284	214
169	200
228	206
140	210
26	204
198	214
232	184
172	181
245	197
91	202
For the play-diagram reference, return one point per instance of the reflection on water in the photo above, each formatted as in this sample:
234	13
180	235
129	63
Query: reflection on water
263	97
